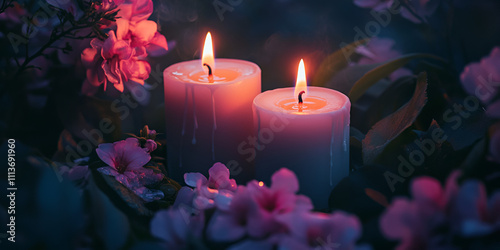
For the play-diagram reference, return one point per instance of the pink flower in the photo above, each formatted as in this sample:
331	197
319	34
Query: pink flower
125	161
177	226
135	10
482	79
143	36
254	209
217	190
150	145
115	61
319	230
379	50
463	210
79	173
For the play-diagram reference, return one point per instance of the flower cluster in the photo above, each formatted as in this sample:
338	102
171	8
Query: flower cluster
256	216
482	79
126	160
121	57
437	216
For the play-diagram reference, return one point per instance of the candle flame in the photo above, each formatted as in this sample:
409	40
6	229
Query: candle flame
261	183
301	84
208	54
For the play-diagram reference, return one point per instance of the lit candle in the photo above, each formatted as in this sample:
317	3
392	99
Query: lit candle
208	106
305	129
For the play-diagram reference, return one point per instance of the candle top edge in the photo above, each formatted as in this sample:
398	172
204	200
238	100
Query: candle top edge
232	70
272	100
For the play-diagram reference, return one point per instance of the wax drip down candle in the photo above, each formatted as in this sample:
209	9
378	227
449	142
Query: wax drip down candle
305	129
208	107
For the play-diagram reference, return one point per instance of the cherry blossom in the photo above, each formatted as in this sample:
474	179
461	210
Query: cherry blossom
114	61
482	79
254	209
125	161
217	190
453	211
320	230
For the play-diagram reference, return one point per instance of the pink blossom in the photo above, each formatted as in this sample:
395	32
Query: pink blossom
217	190
135	11
143	36
482	79
125	161
115	61
379	50
178	226
254	209
150	145
79	173
319	230
464	210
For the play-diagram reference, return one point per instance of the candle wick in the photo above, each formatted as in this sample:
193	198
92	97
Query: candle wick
300	96
210	76
300	100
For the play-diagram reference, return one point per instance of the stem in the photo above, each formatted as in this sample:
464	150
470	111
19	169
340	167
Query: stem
49	44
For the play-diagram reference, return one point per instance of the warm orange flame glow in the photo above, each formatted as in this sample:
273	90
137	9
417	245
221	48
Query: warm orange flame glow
208	54
261	183
301	84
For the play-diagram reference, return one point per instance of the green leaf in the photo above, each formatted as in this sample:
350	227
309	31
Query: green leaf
380	71
335	62
387	129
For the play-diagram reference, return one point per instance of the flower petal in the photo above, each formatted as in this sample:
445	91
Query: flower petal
191	179
284	179
223	227
106	153
158	45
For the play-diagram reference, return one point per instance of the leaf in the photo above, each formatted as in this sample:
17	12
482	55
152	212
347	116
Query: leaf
335	62
387	129
380	71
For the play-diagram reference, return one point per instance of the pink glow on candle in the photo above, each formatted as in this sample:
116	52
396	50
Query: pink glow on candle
219	76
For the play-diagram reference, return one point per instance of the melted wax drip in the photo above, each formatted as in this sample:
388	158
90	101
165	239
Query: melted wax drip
214	127
183	124
331	151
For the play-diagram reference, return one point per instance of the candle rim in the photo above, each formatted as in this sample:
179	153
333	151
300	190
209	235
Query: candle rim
346	104
255	69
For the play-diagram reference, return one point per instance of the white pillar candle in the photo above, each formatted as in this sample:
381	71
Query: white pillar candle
311	138
208	116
